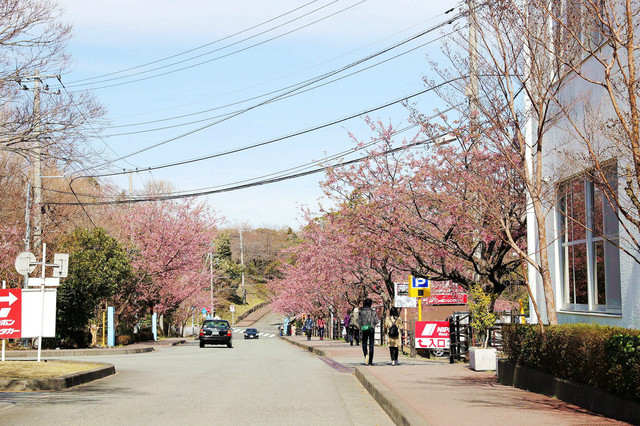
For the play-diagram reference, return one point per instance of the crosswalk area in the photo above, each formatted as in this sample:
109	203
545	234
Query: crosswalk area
241	330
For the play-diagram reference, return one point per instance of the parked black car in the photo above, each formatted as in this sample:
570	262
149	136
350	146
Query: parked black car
216	332
251	333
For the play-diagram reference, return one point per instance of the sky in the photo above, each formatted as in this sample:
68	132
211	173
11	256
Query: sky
183	80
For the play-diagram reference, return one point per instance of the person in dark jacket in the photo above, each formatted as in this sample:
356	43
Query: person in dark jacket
348	337
308	327
367	319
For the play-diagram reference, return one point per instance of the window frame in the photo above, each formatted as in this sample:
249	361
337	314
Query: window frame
607	239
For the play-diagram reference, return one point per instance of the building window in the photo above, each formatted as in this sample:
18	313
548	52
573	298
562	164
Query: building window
578	30
590	255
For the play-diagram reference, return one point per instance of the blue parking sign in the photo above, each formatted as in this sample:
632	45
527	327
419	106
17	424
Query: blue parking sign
419	282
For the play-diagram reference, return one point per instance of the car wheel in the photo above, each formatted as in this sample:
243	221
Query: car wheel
439	352
229	345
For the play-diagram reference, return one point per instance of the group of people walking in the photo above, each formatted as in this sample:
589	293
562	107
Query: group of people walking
359	327
361	324
307	328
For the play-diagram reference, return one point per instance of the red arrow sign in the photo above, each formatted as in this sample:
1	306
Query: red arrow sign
10	313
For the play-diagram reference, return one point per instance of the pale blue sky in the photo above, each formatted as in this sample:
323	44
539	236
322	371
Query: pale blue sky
111	35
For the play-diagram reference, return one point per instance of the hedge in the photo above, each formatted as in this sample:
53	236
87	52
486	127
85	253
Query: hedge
604	357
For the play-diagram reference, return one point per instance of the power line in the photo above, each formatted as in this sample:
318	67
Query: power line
306	165
217	57
198	47
90	126
307	83
253	184
270	141
264	82
289	170
261	96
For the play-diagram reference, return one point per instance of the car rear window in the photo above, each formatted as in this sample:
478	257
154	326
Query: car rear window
215	324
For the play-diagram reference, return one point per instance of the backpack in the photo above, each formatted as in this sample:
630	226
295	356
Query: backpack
393	331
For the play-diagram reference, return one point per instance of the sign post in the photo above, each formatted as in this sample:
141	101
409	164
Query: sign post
26	321
419	288
232	308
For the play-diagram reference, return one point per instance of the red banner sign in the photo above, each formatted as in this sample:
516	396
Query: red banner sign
432	334
10	313
446	293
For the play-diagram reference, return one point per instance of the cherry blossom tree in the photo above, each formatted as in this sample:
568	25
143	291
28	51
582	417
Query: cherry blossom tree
434	211
168	242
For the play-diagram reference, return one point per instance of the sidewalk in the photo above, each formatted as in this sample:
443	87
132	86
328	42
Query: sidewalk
434	392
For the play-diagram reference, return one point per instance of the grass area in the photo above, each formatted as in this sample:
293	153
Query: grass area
21	370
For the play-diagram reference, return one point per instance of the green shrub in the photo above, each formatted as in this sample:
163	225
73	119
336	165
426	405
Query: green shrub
623	357
605	357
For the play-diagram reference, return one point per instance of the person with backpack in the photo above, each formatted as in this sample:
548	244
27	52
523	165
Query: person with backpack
354	326
308	327
367	319
393	324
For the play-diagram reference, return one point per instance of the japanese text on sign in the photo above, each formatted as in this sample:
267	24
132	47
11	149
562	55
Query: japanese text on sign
432	334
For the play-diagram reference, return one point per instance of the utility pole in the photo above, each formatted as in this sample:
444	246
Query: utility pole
472	90
244	290
211	245
27	237
37	172
37	79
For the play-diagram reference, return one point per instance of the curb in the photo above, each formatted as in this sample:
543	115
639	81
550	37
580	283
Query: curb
399	411
311	349
57	383
78	352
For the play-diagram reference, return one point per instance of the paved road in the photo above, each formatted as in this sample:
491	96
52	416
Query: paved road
265	381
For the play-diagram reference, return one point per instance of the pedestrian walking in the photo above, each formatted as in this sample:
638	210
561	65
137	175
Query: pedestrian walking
308	327
393	324
320	324
355	326
348	337
367	319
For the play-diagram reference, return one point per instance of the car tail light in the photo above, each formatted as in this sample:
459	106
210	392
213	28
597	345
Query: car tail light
228	332
201	333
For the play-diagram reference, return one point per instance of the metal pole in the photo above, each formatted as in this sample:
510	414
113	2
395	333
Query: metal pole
44	259
244	290
211	278
37	172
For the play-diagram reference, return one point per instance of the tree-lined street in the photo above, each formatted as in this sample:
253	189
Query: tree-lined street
258	382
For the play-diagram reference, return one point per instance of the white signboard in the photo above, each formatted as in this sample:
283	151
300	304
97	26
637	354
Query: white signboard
62	262
48	282
32	313
402	299
232	308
